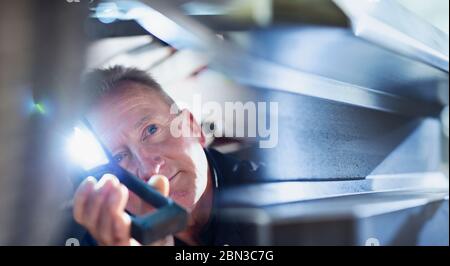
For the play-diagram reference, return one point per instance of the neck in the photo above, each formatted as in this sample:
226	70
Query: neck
199	216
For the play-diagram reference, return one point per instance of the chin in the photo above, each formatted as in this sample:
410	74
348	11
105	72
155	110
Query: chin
184	199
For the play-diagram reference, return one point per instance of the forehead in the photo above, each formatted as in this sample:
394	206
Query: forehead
127	105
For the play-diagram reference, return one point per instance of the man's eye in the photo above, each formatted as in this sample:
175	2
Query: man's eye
151	129
119	157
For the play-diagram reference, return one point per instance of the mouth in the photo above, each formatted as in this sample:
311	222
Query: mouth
169	178
172	177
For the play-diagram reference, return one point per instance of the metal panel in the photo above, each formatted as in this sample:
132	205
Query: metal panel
390	218
42	43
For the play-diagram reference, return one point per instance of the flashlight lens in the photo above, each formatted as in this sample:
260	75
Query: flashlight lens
85	150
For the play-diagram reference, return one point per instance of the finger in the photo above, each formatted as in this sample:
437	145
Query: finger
122	221
81	196
122	228
124	197
96	199
106	218
160	183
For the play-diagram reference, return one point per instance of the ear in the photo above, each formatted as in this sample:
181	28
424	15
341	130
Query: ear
194	126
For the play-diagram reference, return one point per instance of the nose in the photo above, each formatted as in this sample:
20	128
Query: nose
149	163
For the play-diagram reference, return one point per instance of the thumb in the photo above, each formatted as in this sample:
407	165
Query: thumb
160	183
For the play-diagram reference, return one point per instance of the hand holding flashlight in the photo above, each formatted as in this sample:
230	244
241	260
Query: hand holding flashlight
100	208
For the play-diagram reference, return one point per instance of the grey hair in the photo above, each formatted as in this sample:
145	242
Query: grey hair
101	82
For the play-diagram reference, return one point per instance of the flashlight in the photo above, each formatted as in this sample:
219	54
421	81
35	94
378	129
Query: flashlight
93	159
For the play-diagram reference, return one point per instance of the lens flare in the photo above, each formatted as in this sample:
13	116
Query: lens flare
40	108
84	149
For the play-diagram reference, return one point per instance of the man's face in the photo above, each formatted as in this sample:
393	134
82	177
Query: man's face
135	124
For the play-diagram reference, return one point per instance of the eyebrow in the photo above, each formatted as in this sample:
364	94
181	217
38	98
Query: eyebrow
142	121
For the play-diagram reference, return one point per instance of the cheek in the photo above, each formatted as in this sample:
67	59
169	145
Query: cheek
183	190
187	155
180	154
187	188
